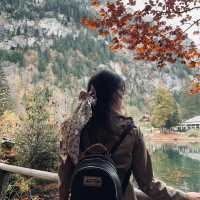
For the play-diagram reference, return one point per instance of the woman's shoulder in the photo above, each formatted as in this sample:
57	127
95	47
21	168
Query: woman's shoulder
121	122
134	131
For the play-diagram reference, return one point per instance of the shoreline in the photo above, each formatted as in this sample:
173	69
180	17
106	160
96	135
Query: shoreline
171	138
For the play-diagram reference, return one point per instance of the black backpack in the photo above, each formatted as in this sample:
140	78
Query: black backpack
95	177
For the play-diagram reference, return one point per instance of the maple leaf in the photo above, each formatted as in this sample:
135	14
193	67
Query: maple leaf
116	47
193	64
125	20
102	13
103	33
89	24
140	50
95	3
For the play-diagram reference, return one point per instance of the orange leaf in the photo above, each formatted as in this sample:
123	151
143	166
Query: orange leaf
95	3
194	81
197	64
102	13
161	65
125	20
116	47
103	33
89	24
192	64
140	50
192	54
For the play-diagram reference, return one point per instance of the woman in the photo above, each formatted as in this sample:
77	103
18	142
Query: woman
104	126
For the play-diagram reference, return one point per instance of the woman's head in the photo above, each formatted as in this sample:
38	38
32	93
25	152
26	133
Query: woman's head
109	88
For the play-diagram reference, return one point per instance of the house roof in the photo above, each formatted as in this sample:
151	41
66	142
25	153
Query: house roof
194	120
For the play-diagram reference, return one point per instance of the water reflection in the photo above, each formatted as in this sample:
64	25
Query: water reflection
178	165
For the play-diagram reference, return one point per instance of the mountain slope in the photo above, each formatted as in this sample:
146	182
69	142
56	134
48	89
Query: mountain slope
43	43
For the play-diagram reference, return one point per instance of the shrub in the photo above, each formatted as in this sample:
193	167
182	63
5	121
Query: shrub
36	141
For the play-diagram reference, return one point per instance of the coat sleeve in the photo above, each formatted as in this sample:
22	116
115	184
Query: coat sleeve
64	174
142	170
65	167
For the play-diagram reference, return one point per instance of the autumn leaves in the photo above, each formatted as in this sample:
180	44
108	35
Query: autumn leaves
146	31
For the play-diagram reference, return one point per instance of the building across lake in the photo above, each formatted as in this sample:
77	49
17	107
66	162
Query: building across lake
193	123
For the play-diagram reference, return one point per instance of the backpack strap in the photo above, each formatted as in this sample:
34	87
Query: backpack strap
122	137
114	148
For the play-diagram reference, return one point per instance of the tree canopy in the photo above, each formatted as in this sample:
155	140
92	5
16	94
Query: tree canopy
165	112
149	30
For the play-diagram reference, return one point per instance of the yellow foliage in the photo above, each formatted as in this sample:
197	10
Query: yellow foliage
163	108
9	122
23	185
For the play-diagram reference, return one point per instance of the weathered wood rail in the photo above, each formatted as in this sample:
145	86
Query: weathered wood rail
5	169
29	172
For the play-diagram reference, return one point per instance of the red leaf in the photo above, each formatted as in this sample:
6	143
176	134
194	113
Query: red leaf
116	47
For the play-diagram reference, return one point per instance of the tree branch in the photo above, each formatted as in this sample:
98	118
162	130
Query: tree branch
188	10
195	22
178	12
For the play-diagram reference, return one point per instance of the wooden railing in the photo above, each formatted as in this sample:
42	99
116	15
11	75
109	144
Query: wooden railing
29	172
5	169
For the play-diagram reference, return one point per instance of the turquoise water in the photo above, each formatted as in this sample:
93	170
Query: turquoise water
177	165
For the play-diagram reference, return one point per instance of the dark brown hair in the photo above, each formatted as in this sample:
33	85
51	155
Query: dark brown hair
106	85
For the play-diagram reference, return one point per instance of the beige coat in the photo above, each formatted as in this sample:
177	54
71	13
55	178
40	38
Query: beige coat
133	154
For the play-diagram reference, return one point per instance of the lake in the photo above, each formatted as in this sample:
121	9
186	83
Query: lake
178	165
